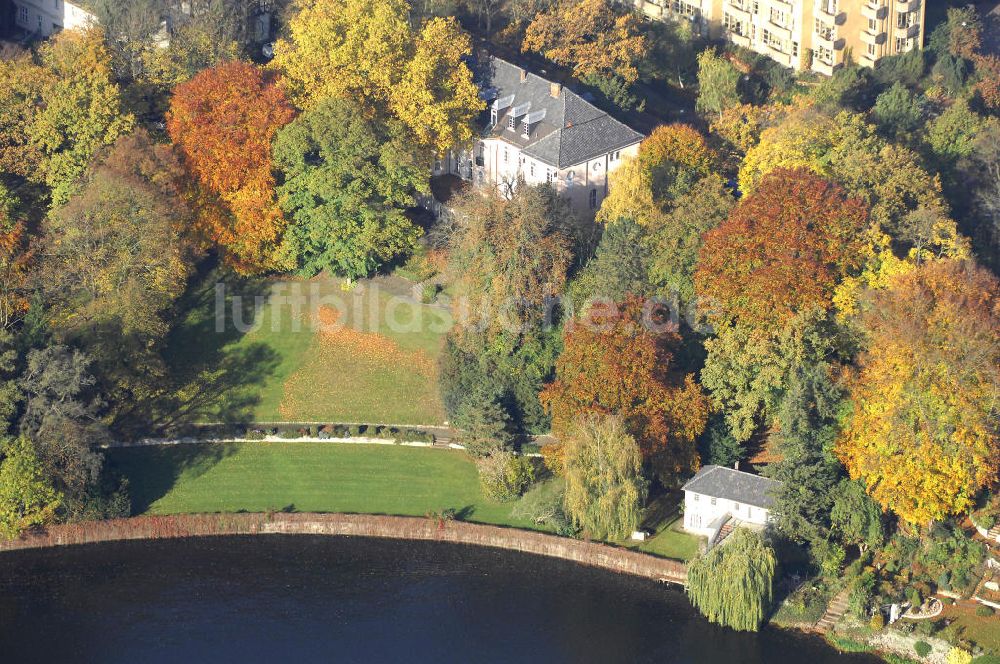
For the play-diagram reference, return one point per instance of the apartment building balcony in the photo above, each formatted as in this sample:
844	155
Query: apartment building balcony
650	9
778	30
828	13
738	11
780	56
825	68
872	38
783	5
739	40
828	41
907	32
911	6
875	11
868	60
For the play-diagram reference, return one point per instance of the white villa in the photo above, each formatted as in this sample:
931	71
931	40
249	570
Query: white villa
539	132
46	17
718	499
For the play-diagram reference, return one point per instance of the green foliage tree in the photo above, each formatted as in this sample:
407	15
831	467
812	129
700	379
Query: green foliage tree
619	266
484	421
897	112
62	417
733	585
856	519
718	83
347	183
605	489
27	497
952	134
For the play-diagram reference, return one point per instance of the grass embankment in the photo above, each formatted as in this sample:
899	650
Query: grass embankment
316	352
325	477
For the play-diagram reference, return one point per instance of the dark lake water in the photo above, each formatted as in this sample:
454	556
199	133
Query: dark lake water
322	599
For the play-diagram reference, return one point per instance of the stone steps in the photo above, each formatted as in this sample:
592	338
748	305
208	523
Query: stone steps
834	611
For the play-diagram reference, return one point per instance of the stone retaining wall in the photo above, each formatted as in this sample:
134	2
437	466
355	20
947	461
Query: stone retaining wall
198	525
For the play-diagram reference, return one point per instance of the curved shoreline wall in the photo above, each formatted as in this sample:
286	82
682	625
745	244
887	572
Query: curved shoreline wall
602	556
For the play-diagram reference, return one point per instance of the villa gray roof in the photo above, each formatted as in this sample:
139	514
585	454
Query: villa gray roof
572	130
731	484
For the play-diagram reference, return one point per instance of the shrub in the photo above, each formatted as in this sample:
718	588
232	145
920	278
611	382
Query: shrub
877	623
944	580
984	611
833	560
353	431
503	475
959	656
987	659
913	595
290	433
543	505
922	648
254	434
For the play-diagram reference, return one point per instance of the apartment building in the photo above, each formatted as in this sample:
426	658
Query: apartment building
803	34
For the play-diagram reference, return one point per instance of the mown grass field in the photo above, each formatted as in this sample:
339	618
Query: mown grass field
326	477
306	477
314	351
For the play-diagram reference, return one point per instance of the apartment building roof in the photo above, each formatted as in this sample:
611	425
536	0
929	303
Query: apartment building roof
564	129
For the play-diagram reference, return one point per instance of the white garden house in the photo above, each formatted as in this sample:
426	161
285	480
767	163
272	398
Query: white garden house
718	499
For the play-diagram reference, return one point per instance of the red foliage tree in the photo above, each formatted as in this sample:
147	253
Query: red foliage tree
619	360
782	250
222	121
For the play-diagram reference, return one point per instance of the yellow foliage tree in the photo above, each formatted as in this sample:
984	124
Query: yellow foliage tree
591	36
923	433
366	51
669	161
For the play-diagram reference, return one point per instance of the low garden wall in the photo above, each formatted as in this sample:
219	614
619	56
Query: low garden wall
358	525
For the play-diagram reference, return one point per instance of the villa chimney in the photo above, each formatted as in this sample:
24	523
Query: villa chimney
555	89
524	75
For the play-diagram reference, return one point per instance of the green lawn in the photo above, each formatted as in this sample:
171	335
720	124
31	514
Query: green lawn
327	477
318	352
306	477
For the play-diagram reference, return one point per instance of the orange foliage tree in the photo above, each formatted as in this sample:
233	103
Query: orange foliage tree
619	360
923	433
783	250
222	121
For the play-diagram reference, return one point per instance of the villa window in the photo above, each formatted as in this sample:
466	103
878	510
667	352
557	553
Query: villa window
593	199
511	122
505	155
695	497
22	15
713	502
531	169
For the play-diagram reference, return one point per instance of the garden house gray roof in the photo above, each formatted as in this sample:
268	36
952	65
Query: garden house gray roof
564	129
730	484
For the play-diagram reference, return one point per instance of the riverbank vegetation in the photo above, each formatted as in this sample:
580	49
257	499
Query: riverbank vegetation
800	279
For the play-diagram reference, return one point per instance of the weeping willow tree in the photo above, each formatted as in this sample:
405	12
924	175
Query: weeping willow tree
605	489
733	584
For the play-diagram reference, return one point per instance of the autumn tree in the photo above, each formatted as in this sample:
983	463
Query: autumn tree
669	162
605	489
222	122
511	257
366	51
15	262
20	101
923	433
783	250
888	178
593	37
27	498
619	360
347	182
81	108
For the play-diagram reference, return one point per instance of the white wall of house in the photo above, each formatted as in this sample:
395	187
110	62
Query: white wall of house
50	16
702	512
585	185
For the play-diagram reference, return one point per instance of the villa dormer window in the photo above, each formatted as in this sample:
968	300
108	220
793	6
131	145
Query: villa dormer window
511	122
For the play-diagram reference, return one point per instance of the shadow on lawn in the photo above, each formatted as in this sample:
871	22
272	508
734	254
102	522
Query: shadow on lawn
153	471
206	377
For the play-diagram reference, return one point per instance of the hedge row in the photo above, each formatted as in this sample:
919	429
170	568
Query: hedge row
342	431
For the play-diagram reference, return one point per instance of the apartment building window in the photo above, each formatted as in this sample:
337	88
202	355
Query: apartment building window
778	17
593	199
902	44
773	40
795	49
756	7
871	50
824	31
905	19
828	6
732	25
824	55
872	25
